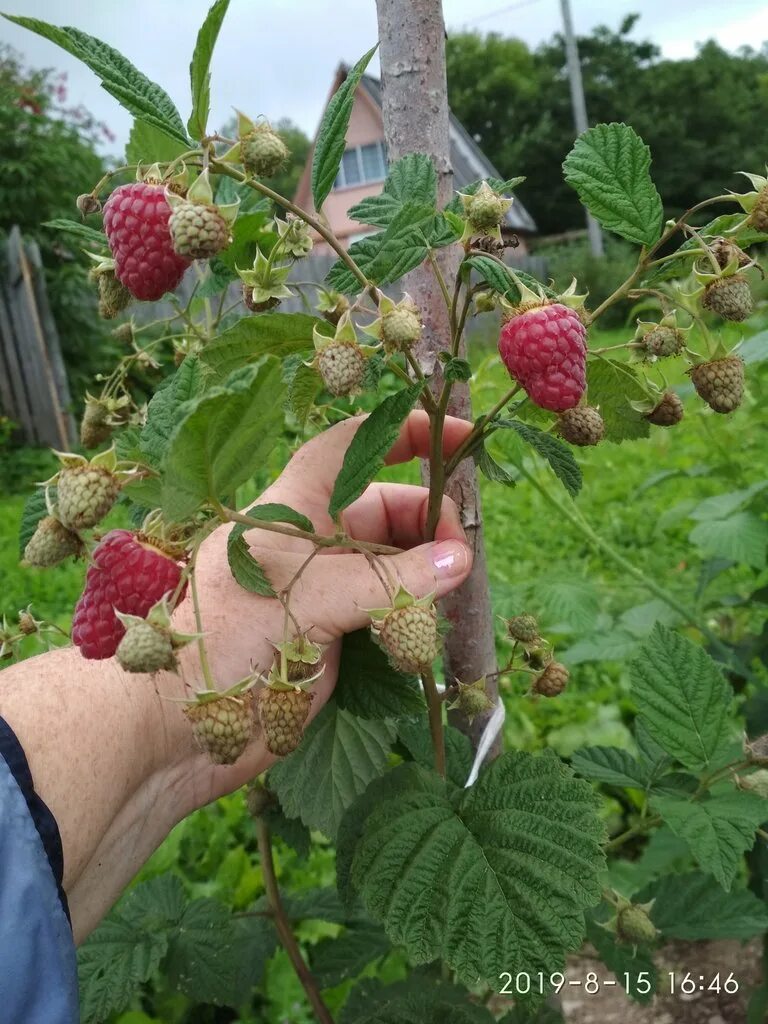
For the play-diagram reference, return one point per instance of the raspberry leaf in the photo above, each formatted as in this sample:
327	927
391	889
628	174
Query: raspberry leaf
368	686
331	136
81	232
370	445
612	387
147	142
415	736
689	907
335	761
275	334
740	537
419	1000
337	960
683	700
141	97
498	278
412	179
35	509
491	469
524	840
611	766
224	438
556	452
717	829
245	568
304	385
199	69
609	166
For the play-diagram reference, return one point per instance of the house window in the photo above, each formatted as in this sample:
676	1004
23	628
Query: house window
362	164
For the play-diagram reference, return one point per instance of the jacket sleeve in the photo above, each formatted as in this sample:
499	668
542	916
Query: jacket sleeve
38	969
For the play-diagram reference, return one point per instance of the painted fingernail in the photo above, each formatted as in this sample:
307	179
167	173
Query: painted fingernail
449	558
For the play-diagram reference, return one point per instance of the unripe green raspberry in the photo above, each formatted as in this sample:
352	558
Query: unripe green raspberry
222	727
342	366
113	296
582	426
634	926
758	217
198	231
51	543
85	495
720	382
282	715
485	209
524	628
729	297
410	637
146	649
262	151
667	412
552	681
400	327
664	341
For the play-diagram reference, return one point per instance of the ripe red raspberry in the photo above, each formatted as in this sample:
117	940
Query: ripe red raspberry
136	223
126	575
545	351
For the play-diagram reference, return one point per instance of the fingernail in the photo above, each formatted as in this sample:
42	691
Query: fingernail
449	558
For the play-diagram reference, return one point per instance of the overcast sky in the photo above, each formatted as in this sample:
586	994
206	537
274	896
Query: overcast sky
277	57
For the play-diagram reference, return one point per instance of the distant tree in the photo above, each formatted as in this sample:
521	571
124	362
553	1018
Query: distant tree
696	114
49	155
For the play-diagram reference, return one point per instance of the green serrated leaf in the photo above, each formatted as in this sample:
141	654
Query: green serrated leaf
683	700
612	386
718	829
340	278
412	179
199	69
303	388
417	1000
499	279
35	509
557	453
336	960
135	92
370	445
250	233
629	964
163	410
609	765
319	904
253	337
690	907
415	736
331	136
291	831
742	537
609	166
147	144
336	759
492	470
368	686
244	567
222	439
524	841
202	959
457	370
91	237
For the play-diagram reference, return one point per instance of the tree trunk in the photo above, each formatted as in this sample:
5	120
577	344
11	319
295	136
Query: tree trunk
415	106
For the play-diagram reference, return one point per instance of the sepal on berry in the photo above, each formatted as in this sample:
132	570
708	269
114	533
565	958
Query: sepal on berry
484	211
472	700
754	203
265	281
294	237
659	340
398	325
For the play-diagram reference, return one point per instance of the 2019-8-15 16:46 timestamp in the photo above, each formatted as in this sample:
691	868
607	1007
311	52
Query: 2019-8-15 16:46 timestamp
675	983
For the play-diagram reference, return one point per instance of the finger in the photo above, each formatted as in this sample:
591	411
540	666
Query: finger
336	591
314	468
397	514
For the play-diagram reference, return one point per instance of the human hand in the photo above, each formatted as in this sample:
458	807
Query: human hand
331	596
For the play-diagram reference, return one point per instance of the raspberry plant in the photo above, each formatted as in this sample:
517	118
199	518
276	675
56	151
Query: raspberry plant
487	867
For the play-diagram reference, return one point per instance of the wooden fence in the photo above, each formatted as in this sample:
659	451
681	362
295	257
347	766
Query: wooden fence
34	393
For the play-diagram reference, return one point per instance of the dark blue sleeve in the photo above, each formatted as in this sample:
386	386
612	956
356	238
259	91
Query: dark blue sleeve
38	968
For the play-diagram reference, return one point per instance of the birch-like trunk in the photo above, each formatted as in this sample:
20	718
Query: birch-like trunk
415	103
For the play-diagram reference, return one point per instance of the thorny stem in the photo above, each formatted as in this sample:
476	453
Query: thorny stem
229	515
439	278
434	707
283	927
204	663
637	830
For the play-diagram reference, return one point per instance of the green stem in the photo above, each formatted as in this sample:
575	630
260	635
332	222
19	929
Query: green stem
637	830
283	926
471	440
440	279
434	706
314	222
229	515
204	663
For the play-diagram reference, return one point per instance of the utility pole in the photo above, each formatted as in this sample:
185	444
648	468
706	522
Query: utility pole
579	111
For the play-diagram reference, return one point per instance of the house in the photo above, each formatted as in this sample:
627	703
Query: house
364	168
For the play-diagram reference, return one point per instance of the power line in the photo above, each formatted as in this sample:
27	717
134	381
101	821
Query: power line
502	10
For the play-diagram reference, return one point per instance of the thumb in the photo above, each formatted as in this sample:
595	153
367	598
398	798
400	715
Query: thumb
354	585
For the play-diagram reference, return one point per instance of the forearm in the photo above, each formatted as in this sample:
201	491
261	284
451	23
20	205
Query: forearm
100	763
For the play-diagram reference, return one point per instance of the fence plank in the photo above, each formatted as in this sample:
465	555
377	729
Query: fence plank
15	398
